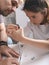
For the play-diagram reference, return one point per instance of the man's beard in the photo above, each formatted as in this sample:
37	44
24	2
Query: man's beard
4	13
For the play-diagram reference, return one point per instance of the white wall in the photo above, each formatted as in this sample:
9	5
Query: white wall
21	17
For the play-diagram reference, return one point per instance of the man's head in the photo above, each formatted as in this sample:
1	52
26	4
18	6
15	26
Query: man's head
7	6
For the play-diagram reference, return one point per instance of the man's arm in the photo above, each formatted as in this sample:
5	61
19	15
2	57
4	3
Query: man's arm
5	50
3	32
3	35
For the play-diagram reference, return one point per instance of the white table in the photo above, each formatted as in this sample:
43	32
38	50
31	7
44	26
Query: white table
27	59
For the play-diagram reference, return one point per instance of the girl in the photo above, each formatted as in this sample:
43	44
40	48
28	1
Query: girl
38	26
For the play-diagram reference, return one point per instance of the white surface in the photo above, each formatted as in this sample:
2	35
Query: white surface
27	54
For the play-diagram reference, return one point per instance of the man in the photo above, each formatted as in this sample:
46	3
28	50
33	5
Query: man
6	7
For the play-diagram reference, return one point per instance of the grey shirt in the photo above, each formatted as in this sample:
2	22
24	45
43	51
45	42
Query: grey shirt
1	19
8	20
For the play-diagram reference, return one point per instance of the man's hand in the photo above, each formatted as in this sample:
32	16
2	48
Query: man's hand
5	50
9	61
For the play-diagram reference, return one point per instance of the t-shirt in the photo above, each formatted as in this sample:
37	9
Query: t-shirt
37	32
11	18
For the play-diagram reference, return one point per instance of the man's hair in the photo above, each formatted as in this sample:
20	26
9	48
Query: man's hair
36	6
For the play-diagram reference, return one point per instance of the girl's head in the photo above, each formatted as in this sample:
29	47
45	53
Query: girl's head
36	10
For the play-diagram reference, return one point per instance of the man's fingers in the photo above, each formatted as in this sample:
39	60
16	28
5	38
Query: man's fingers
11	61
7	54
15	61
14	54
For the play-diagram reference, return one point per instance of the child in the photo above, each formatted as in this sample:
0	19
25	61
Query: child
38	27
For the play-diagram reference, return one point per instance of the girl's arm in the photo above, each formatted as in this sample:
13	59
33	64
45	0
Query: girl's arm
19	36
35	42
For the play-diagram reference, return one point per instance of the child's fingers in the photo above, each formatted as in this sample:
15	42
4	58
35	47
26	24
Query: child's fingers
12	26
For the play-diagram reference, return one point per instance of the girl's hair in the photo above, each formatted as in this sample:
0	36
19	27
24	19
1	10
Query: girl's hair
36	6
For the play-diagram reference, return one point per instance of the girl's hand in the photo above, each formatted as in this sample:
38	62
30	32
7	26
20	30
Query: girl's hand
15	33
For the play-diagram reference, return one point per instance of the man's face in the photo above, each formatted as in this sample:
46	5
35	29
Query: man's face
7	6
